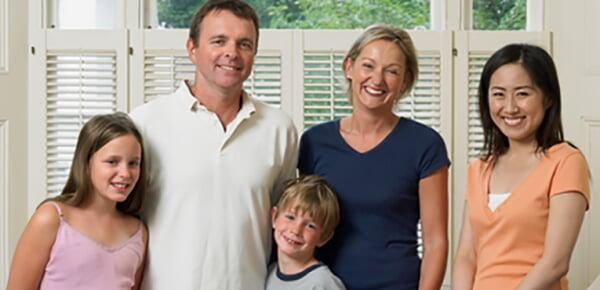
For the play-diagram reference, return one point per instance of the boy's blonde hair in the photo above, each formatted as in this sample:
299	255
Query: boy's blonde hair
311	195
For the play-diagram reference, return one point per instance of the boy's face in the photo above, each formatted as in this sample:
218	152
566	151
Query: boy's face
296	233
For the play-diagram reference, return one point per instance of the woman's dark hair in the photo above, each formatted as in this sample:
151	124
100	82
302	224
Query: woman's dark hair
96	133
541	70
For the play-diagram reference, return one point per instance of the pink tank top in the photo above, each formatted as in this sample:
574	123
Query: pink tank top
78	262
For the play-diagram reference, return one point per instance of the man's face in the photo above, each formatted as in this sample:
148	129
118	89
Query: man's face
225	51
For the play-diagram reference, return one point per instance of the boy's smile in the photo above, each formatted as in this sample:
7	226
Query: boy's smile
296	234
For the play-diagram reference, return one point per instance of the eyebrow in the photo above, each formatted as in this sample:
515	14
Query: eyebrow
516	88
223	36
372	60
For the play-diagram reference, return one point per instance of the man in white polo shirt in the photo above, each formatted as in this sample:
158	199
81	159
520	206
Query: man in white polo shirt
218	158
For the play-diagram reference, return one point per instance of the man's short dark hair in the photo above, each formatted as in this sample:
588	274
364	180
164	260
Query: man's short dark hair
239	8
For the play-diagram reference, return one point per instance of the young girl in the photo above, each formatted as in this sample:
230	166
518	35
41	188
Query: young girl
527	195
89	237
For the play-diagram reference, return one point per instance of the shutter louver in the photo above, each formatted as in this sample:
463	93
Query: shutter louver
476	63
265	81
164	71
324	88
78	86
424	102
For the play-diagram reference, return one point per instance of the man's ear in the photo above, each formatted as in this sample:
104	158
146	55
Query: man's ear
273	215
191	49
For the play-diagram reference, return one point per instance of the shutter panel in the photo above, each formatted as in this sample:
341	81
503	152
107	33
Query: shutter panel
85	73
476	63
265	81
424	102
78	86
324	88
163	72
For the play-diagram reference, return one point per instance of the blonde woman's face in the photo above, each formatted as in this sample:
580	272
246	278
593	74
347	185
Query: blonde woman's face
377	76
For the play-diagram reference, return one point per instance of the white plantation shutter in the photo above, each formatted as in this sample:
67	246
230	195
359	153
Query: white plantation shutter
79	86
424	102
83	78
163	73
265	81
324	87
476	63
165	63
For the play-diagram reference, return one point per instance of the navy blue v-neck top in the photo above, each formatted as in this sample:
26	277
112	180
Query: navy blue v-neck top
375	245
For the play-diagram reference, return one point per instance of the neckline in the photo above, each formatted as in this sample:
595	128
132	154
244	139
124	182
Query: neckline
99	244
297	276
375	148
513	192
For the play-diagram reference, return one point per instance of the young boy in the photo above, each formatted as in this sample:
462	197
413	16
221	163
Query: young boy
304	218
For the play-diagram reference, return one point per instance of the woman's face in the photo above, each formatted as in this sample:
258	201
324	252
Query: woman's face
516	105
377	75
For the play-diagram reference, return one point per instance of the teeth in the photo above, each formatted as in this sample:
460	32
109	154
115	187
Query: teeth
293	242
229	68
513	121
120	185
373	91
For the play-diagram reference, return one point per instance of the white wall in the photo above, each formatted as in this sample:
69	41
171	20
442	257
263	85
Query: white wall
13	132
576	29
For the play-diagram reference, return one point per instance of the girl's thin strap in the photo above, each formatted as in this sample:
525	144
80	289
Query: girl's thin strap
57	208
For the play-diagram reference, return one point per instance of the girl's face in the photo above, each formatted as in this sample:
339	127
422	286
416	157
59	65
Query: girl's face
115	168
377	75
516	105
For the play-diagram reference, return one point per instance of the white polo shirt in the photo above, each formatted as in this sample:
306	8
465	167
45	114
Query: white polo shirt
212	189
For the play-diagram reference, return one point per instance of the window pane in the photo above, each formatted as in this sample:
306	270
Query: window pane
85	14
307	14
499	14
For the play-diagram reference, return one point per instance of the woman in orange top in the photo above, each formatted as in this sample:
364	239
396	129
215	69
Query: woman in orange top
527	195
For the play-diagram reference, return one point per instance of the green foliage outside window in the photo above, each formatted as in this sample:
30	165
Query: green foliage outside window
499	14
348	14
315	14
330	14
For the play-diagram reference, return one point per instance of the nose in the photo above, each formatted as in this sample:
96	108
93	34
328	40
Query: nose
511	104
124	171
297	228
231	50
377	77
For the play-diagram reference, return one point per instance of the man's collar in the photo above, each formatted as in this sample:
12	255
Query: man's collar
192	103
